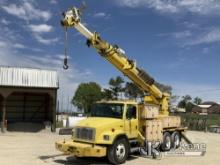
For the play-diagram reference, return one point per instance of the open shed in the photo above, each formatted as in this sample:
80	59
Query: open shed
27	96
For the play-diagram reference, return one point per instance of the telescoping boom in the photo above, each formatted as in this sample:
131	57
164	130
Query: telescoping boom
116	56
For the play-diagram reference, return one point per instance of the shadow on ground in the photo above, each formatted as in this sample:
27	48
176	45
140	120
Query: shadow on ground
25	127
82	161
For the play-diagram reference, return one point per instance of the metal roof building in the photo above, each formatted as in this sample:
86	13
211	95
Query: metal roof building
27	95
28	77
207	108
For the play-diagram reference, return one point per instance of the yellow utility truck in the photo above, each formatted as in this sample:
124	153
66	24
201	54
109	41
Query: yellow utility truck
117	128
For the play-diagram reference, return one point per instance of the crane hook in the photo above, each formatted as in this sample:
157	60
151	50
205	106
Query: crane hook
65	60
65	65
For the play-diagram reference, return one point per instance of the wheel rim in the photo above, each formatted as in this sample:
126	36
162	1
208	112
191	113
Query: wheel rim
176	140
120	151
168	143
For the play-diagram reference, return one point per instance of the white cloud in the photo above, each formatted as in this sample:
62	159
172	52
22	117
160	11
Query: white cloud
19	46
26	11
102	15
204	91
211	36
203	7
2	44
42	28
53	1
191	38
177	35
38	30
190	25
182	34
159	5
8	44
46	41
5	22
8	39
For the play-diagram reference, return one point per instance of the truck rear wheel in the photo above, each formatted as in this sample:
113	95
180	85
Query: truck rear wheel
166	145
175	139
118	152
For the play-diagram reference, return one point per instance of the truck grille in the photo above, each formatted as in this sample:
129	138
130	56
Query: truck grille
85	133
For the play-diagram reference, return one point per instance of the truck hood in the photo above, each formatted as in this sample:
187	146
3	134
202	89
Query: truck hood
96	122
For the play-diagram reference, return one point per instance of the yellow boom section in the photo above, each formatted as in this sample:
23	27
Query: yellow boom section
117	58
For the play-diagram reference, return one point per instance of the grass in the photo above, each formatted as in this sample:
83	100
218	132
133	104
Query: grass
199	122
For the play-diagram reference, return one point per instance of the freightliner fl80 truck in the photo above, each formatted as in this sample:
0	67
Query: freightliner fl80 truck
118	128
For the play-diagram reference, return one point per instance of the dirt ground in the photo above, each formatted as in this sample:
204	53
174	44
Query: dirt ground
38	149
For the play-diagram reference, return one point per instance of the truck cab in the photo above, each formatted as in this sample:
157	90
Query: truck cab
109	127
108	120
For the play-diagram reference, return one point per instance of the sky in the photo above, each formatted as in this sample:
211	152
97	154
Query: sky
176	41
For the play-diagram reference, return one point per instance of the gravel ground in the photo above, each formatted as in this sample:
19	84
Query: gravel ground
38	149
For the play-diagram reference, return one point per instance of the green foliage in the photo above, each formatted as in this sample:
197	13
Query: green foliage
189	107
116	86
186	103
197	100
86	94
107	94
132	91
164	88
189	118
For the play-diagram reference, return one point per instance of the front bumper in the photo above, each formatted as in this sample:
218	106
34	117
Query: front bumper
80	149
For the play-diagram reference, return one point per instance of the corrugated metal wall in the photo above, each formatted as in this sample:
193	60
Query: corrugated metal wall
27	77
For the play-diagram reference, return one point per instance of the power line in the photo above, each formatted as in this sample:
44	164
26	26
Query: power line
207	90
202	91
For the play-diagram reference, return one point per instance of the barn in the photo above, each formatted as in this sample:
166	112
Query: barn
28	98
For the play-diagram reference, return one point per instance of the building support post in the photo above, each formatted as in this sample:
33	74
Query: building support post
3	115
54	110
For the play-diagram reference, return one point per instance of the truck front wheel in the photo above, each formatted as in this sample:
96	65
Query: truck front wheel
118	152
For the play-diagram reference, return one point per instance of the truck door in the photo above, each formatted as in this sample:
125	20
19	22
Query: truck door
131	121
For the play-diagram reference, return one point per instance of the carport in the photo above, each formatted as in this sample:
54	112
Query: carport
27	96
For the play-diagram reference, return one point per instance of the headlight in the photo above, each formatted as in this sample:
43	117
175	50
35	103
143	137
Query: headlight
106	137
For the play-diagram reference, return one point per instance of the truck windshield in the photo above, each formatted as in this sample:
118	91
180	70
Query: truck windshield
107	110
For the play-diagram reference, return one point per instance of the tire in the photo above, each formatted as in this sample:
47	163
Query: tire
166	145
118	152
175	140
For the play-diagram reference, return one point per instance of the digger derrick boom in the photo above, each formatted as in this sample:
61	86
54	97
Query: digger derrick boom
117	58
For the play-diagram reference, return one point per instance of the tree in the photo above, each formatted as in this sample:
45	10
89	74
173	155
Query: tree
197	100
132	91
85	95
185	99
107	94
116	86
189	107
186	103
164	88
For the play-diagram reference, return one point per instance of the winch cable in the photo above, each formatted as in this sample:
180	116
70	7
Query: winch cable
65	61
